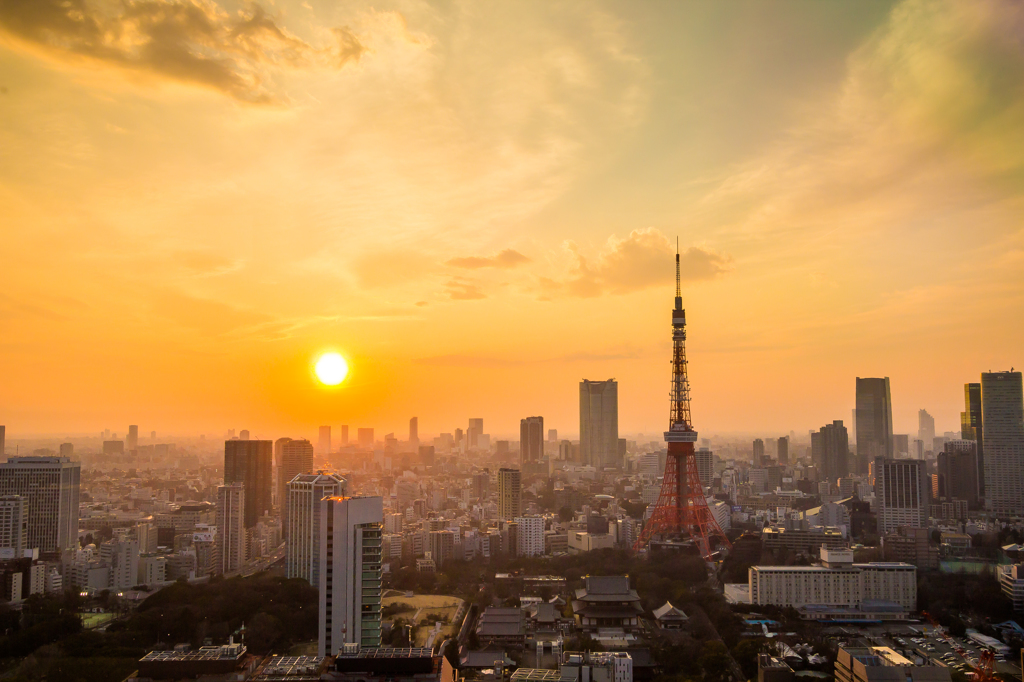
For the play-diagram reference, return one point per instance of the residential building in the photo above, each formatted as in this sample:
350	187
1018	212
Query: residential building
873	422
14	525
250	463
351	530
830	452
231	545
599	423
1002	406
1011	580
509	494
302	540
50	486
901	493
911	546
705	466
531	535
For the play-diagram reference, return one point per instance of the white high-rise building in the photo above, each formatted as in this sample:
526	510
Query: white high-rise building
231	549
509	494
302	500
13	525
705	466
901	493
51	487
599	423
296	458
351	530
1002	413
121	554
531	535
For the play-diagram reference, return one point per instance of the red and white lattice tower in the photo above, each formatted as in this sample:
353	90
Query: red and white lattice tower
681	512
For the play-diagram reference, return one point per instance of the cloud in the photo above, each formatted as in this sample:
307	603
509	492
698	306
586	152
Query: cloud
190	41
642	260
507	258
461	290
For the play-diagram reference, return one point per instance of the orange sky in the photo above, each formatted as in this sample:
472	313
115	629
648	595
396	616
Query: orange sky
477	205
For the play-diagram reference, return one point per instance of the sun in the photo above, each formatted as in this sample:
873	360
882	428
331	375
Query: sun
331	369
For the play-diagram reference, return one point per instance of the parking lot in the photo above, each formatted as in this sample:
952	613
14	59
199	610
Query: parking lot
919	641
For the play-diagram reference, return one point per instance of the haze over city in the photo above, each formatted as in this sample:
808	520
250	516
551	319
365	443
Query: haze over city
477	206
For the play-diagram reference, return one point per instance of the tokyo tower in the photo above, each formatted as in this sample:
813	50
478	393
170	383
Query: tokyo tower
681	512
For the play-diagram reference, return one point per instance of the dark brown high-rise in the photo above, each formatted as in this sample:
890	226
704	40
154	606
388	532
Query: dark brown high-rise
250	462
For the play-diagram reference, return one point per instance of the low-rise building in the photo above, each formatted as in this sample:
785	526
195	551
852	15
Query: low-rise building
882	664
607	602
1011	580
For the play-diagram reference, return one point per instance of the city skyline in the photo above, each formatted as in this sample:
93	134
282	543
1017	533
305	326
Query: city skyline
444	215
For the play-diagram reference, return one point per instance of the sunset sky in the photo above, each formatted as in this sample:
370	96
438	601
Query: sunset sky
477	203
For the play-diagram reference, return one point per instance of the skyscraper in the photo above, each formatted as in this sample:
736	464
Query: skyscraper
296	458
302	502
552	435
901	492
1002	407
599	423
14	524
830	451
509	494
133	438
705	466
758	459
925	426
3	439
250	462
344	435
874	422
957	470
67	450
473	433
971	428
784	450
531	440
231	546
324	443
51	488
414	432
351	531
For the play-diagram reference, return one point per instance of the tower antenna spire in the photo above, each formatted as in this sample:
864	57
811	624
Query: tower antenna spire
679	290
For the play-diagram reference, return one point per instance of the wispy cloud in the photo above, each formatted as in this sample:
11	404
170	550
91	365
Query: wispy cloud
192	41
642	260
507	258
463	290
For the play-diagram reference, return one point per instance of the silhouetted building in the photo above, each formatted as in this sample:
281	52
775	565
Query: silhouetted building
324	443
1002	405
414	432
250	462
957	473
758	459
133	438
925	426
599	423
830	452
509	494
531	440
784	450
874	422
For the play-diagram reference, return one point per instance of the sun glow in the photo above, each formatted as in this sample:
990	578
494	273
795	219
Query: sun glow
331	369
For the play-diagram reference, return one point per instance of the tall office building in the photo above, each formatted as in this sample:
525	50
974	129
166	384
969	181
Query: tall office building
473	433
874	422
231	546
296	458
758	459
531	440
344	435
925	426
67	450
414	432
250	462
901	493
956	469
971	428
243	434
3	439
51	487
509	494
351	531
302	502
705	466
1002	408
784	450
14	524
599	423
830	452
324	443
552	435
132	442
900	444
365	437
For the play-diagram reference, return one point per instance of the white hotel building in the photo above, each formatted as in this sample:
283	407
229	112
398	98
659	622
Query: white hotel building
839	588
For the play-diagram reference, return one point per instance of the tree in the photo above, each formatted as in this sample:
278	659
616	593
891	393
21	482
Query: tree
714	660
745	653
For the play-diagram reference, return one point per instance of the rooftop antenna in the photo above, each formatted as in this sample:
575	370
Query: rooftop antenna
679	291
